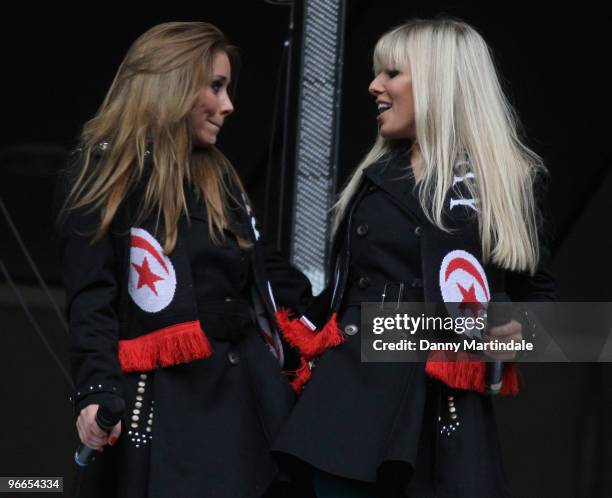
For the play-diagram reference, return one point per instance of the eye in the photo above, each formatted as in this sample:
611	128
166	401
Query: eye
217	85
392	73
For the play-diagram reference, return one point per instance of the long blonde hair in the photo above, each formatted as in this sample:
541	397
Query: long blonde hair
461	110
146	112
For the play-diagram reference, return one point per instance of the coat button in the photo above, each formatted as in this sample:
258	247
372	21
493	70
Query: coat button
417	231
233	358
228	299
351	329
362	230
363	282
373	188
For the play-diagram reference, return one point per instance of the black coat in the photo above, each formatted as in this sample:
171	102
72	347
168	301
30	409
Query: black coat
383	422
215	416
385	235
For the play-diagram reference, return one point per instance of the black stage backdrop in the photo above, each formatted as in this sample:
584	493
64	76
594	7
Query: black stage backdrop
556	435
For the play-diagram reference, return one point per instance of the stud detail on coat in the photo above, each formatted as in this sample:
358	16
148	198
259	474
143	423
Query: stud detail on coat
448	422
140	432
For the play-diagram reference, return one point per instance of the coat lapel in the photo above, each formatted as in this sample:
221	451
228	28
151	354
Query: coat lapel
394	176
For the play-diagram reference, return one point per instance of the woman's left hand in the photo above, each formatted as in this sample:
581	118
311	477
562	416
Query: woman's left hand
511	331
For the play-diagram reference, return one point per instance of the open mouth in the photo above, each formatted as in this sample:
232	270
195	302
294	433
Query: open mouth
383	106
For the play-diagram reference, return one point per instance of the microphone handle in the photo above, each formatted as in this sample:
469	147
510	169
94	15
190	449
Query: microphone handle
493	379
500	312
84	455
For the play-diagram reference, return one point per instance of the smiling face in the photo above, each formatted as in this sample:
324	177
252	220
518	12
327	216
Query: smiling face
393	91
213	104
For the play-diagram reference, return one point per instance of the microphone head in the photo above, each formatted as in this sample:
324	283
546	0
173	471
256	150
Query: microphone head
110	412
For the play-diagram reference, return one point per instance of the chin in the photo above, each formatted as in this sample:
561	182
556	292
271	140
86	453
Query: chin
396	134
389	135
205	141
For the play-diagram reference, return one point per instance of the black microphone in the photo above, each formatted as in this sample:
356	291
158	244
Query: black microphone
499	313
109	413
494	377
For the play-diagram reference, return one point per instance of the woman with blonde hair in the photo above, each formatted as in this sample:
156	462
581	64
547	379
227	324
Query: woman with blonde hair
441	209
169	293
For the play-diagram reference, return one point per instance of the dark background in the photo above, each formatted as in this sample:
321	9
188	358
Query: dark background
57	67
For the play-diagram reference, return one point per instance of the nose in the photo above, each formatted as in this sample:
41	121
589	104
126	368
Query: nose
375	87
227	107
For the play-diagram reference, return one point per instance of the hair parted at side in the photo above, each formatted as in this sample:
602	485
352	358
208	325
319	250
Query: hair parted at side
146	109
461	110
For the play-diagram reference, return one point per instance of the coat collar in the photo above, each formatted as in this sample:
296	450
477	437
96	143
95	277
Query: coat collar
392	173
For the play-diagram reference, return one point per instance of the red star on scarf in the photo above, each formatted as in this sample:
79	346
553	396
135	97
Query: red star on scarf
470	301
146	276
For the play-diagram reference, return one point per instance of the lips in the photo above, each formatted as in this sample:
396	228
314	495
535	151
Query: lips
214	124
382	106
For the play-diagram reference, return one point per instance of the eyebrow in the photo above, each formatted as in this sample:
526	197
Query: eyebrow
220	76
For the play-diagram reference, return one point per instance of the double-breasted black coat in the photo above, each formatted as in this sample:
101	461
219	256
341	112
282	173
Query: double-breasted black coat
389	423
201	413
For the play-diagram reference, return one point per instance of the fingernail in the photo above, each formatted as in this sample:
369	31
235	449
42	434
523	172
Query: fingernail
112	440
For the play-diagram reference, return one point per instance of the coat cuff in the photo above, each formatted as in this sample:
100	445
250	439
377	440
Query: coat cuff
90	395
301	376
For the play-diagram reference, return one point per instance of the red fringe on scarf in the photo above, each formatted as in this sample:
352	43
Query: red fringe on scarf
302	376
172	345
308	342
469	375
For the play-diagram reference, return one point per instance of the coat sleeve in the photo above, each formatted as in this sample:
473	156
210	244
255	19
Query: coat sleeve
309	336
90	281
541	285
534	288
291	287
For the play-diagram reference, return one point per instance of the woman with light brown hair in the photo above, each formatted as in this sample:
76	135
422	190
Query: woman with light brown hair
170	296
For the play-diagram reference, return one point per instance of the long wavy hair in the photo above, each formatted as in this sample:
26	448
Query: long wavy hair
145	112
461	110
